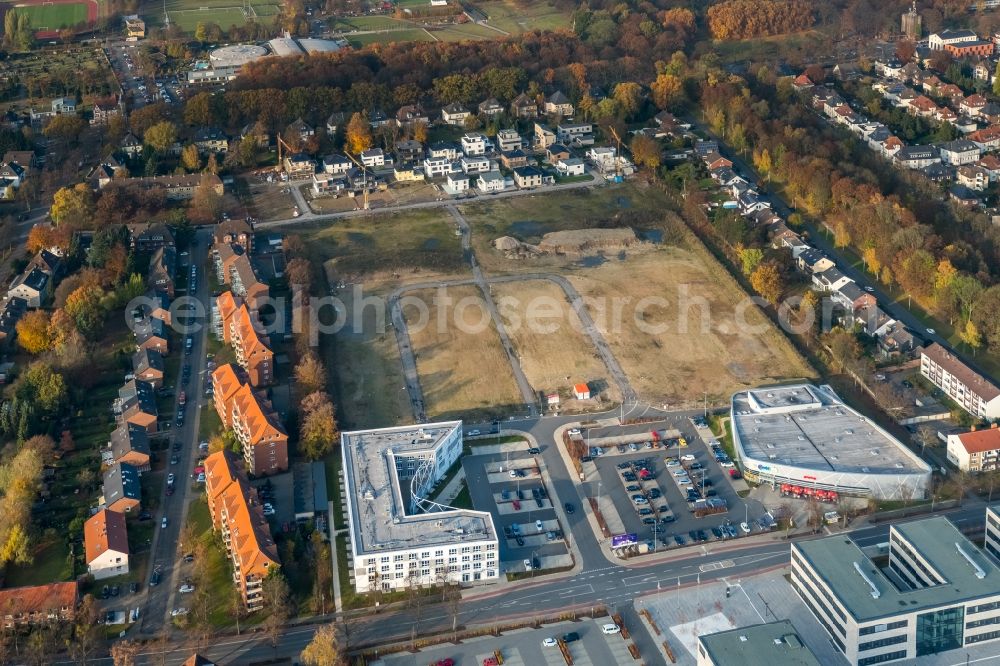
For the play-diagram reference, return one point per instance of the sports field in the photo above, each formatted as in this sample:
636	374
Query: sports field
54	17
415	35
515	19
189	13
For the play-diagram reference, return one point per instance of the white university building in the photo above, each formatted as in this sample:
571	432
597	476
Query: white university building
400	537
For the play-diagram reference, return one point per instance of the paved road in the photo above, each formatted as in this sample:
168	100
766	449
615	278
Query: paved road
307	215
161	599
589	328
615	586
527	393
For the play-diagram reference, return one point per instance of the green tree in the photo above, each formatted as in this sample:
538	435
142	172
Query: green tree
73	206
629	97
996	80
201	33
64	127
42	387
161	136
750	257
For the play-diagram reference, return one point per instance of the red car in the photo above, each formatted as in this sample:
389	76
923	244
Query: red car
517	505
735	473
445	662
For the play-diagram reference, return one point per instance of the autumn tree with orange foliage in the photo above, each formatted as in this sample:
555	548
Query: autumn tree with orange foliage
746	19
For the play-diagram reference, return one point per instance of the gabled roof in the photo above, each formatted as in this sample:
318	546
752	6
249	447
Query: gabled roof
978	441
973	381
149	327
454	108
147	359
121	481
105	531
27	600
127	438
558	98
33	278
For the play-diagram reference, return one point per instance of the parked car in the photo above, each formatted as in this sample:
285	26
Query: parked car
611	629
569	507
550	642
534	451
186	588
527	565
570	637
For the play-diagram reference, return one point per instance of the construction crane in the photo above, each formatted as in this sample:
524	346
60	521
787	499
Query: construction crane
618	155
364	172
281	143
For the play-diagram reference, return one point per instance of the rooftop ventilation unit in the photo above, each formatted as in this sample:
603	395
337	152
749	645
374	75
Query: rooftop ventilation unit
979	570
861	572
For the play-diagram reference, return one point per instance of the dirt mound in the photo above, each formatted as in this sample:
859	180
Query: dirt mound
586	241
572	242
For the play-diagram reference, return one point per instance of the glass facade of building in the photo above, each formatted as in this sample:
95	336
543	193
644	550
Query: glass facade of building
939	631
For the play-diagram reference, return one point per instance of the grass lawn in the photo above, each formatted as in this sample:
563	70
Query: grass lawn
460	33
333	464
462	500
410	35
210	423
217	567
51	565
53	17
349	23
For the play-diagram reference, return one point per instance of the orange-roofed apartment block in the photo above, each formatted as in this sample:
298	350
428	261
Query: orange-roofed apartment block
241	330
239	517
253	421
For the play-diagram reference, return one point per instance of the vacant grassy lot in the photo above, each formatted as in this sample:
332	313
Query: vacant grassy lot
372	256
529	218
685	329
546	333
462	367
516	19
188	19
386	249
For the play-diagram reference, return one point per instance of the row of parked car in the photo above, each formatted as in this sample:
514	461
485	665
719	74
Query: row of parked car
639	478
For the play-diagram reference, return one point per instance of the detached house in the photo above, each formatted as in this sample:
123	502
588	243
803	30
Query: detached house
524	106
410	115
527	177
916	157
509	139
455	114
558	104
960	151
32	286
972	104
106	544
161	271
490	107
150	236
474	144
210	140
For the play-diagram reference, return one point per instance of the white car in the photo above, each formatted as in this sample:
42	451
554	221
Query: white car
550	642
178	611
185	588
726	463
680	472
574	431
170	478
745	528
268	510
163	523
687	457
673	463
610	629
538	525
931	331
473	433
527	565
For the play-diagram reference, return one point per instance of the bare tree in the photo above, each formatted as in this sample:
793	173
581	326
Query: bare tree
86	631
926	436
123	653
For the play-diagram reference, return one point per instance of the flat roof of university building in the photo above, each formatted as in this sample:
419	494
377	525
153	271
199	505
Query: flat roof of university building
810	426
772	644
380	518
873	595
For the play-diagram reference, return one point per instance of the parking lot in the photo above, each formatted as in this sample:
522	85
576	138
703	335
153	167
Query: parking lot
507	483
524	648
659	487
